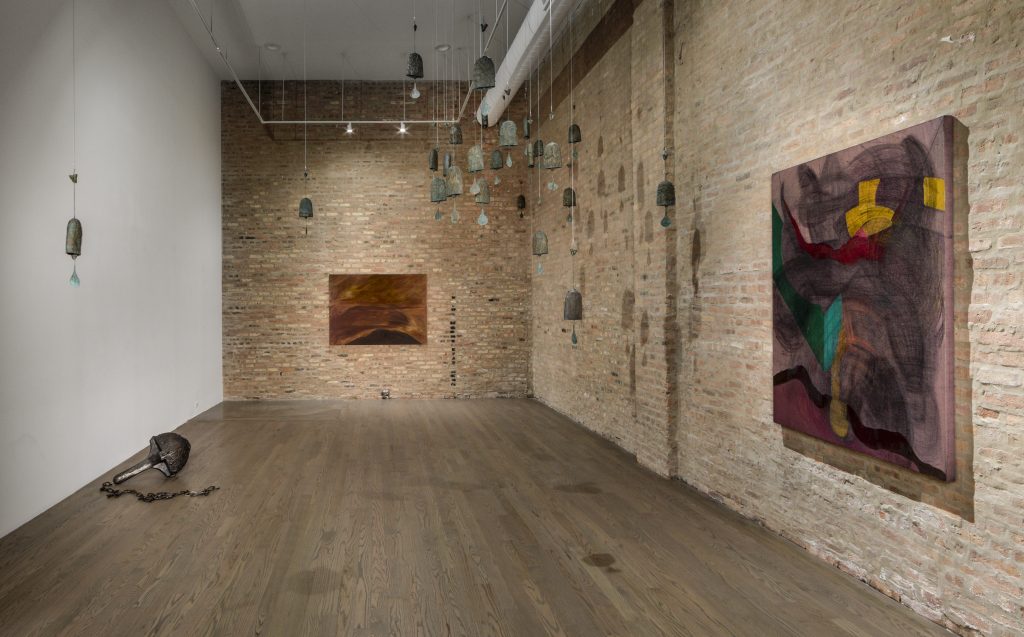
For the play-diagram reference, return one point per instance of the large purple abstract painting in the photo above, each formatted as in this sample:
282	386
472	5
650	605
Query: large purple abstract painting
862	265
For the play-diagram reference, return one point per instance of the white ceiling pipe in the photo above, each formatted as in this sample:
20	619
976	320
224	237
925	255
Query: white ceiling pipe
529	46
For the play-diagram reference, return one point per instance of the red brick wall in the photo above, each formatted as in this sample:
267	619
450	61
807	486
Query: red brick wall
372	215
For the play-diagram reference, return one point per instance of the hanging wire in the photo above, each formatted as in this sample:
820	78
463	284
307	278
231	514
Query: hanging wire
74	111
551	67
283	68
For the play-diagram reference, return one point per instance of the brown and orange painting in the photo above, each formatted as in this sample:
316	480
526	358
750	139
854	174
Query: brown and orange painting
378	309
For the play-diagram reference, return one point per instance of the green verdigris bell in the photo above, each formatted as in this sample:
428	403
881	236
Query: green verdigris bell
455	134
453	183
432	159
496	161
507	134
483	73
438	190
484	196
552	156
306	208
475	158
540	243
73	239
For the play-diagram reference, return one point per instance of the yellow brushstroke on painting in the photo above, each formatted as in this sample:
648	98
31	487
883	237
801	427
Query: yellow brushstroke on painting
867	216
935	192
836	407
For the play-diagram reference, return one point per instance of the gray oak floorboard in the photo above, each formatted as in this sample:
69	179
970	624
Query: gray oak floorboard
483	517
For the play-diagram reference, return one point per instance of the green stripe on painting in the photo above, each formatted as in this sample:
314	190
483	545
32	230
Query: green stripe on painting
819	327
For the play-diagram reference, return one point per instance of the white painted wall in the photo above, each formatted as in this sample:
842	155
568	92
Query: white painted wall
88	374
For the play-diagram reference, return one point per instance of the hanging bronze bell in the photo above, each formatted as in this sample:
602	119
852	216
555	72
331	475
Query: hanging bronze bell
168	454
414	69
552	156
455	134
572	310
73	238
574	134
484	194
447	163
666	194
306	208
475	158
527	125
507	134
496	161
483	73
432	159
521	202
529	156
438	190
540	243
453	185
569	198
538	149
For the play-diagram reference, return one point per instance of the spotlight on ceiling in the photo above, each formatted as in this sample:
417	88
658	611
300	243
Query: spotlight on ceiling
402	130
349	130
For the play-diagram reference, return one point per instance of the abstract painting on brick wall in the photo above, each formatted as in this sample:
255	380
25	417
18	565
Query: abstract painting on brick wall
378	309
862	265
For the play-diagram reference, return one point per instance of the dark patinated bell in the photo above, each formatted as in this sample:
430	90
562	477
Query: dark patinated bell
574	134
455	134
521	202
573	308
168	454
496	161
484	194
432	159
569	198
538	149
305	208
666	194
483	73
527	125
447	163
414	69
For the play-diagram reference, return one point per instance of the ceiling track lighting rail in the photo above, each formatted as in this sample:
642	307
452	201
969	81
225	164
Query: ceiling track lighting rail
256	111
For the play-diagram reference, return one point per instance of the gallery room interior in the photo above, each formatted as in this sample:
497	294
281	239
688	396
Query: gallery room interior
511	317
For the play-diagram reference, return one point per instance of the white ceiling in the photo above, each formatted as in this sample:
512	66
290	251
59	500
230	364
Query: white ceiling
345	39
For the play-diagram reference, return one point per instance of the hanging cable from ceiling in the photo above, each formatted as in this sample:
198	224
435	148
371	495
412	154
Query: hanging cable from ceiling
73	235
305	204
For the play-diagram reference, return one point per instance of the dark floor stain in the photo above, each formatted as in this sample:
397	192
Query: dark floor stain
579	487
601	560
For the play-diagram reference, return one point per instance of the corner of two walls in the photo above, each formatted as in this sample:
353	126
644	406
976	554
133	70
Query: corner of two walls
674	359
88	374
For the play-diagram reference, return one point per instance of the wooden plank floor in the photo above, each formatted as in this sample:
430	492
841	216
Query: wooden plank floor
486	517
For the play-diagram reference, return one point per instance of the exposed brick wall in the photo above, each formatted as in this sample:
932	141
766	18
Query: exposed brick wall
372	215
760	86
